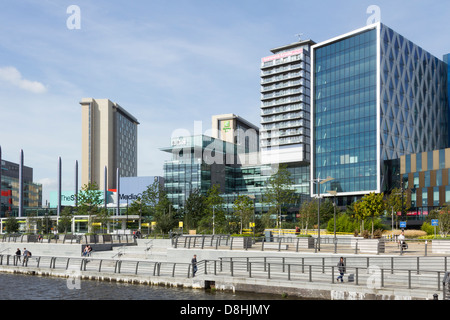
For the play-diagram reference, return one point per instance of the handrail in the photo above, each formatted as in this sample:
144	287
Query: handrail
268	268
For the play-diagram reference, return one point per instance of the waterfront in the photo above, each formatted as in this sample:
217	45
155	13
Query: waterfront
27	287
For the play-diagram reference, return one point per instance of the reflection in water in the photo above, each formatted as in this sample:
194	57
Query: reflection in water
26	287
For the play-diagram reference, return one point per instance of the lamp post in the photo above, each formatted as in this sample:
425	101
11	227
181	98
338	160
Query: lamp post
252	196
319	181
334	193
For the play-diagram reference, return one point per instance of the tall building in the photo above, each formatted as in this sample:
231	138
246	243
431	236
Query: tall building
10	189
109	139
235	129
375	97
285	104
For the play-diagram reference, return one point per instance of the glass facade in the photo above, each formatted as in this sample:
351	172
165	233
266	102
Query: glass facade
426	179
345	131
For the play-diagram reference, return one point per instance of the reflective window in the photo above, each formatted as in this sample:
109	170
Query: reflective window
345	113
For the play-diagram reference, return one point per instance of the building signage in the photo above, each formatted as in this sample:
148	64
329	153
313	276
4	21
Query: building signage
282	55
226	126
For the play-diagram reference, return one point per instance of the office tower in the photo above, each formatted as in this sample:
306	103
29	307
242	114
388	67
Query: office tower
235	129
375	97
10	189
285	104
109	139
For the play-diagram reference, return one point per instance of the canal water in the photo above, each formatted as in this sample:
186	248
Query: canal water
28	287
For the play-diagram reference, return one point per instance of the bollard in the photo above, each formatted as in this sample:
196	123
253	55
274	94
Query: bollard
435	296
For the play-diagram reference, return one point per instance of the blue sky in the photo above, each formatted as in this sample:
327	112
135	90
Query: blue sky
169	63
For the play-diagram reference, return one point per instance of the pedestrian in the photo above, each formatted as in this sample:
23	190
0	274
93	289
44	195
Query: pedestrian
341	268
25	256
18	254
194	265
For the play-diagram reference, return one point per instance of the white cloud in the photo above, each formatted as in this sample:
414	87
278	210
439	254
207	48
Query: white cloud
14	77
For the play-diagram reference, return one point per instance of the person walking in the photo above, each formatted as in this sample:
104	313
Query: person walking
341	268
194	265
18	254
25	256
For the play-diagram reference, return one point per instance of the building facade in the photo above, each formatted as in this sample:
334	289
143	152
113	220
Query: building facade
109	139
375	97
426	181
285	104
10	186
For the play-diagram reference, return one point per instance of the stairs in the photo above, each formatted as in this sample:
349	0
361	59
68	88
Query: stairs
146	249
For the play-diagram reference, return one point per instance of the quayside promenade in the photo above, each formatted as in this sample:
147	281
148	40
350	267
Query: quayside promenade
281	267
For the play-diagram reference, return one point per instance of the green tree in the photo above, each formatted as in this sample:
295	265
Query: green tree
443	215
373	206
164	213
394	203
243	209
193	210
89	199
279	191
213	218
65	220
11	225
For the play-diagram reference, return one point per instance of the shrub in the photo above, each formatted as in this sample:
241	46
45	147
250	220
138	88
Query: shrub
428	228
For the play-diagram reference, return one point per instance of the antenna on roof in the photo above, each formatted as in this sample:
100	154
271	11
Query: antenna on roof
299	35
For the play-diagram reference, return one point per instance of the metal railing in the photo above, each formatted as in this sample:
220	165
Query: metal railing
376	272
71	239
88	264
291	243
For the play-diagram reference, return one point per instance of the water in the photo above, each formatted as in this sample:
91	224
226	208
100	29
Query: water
27	287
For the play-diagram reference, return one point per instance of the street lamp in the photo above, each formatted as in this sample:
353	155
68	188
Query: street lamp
334	193
319	181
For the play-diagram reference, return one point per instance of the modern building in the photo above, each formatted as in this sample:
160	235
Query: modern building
109	139
426	181
10	186
285	104
235	129
376	96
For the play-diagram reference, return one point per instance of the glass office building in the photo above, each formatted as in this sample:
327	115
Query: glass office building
426	180
375	97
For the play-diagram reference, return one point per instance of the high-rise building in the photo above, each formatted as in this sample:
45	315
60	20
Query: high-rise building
109	139
10	189
375	97
285	104
235	129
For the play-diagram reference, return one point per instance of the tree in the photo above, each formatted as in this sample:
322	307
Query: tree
65	220
308	213
373	206
89	199
11	225
279	191
243	208
394	202
443	215
213	215
164	213
193	210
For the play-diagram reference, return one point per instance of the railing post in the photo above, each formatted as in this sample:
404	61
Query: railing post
418	266
310	273
356	247
173	270
289	272
206	266
409	279
249	267
332	274
268	271
231	267
392	265
137	265
356	276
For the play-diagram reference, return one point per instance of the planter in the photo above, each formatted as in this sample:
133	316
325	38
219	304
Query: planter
368	245
241	242
305	242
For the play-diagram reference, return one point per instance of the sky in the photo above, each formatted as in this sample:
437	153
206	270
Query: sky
169	63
